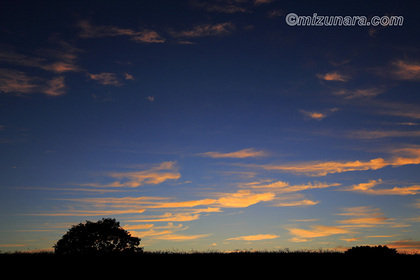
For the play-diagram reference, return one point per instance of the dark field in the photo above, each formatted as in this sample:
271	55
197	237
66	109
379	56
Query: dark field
200	265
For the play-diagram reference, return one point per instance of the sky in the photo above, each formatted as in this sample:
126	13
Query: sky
211	125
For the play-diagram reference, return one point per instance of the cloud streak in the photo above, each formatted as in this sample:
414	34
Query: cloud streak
89	31
408	156
406	70
318	115
152	176
333	76
303	235
206	30
369	188
17	82
245	153
257	237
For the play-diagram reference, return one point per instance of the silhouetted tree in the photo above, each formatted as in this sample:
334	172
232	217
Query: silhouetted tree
372	251
102	237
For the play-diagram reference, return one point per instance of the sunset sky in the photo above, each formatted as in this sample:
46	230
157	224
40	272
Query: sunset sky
210	124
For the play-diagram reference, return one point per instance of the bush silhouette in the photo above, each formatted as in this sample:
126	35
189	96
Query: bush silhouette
372	251
102	237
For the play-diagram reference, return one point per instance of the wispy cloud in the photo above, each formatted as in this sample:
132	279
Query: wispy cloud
286	194
65	57
364	216
369	188
177	237
88	30
13	58
55	86
403	156
304	202
360	217
285	187
214	202
105	79
256	237
302	235
84	213
245	153
318	115
59	60
169	217
205	30
376	134
229	6
406	110
359	93
12	81
405	245
152	176
62	58
406	70
149	36
243	198
333	76
166	232
225	6
110	79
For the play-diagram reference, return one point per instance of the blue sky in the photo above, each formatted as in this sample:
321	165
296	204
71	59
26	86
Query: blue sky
210	124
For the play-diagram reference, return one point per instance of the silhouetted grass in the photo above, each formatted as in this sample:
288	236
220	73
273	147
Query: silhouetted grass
168	262
208	253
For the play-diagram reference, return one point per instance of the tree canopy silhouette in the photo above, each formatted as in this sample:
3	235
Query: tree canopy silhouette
372	251
102	237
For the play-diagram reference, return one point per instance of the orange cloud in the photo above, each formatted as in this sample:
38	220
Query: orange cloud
405	110
405	245
177	237
169	217
375	134
245	153
149	36
257	237
304	202
364	216
61	67
12	81
406	70
152	176
285	187
183	204
368	188
65	56
407	156
318	115
359	93
96	31
243	198
105	79
89	30
55	87
313	115
333	76
301	235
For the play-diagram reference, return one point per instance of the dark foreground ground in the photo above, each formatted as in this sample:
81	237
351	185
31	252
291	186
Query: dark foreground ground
211	266
206	255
